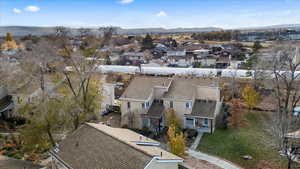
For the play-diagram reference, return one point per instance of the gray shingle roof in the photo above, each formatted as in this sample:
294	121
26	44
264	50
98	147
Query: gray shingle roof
156	110
203	108
89	148
140	88
184	88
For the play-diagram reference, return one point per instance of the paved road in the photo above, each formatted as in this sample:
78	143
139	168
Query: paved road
213	160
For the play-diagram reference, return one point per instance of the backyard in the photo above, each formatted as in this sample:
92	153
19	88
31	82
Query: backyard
252	140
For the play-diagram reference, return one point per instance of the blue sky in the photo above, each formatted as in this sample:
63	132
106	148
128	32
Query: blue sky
150	13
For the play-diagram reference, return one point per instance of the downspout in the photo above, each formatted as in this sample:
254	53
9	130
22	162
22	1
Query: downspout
211	126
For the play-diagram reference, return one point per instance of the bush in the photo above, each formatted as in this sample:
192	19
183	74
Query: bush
191	133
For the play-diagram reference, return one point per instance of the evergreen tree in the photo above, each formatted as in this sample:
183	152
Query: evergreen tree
256	46
147	42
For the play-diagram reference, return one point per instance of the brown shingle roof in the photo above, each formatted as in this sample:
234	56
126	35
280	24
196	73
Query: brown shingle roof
100	146
129	137
90	148
184	88
140	88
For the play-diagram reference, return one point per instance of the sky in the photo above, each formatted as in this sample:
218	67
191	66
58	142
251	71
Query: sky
149	13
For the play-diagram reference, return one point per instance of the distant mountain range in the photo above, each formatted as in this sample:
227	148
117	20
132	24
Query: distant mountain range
273	27
25	30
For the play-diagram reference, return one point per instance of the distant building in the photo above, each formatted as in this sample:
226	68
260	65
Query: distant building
201	53
95	146
134	56
180	58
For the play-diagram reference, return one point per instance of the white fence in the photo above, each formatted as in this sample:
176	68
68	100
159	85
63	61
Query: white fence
184	71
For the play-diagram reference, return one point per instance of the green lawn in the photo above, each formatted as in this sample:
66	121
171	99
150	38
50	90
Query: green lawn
232	144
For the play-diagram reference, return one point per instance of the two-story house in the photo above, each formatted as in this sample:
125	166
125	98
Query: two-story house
196	101
180	58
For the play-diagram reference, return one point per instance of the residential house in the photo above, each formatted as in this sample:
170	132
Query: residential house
180	58
201	53
209	61
6	104
196	101
94	146
134	56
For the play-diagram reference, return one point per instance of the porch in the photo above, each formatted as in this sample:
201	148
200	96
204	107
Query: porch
202	116
154	118
203	125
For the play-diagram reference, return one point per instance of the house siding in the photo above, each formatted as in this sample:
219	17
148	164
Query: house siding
179	108
135	108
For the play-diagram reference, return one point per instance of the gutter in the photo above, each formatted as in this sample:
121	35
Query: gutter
60	160
162	161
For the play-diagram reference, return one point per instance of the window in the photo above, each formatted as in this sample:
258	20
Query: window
188	105
146	123
128	105
205	123
147	104
189	122
171	104
143	105
161	102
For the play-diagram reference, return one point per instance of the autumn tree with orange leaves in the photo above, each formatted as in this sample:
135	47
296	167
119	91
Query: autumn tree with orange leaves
237	118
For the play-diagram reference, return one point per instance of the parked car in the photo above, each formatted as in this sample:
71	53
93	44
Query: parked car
110	109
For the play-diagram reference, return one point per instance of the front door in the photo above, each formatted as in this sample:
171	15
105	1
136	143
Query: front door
205	123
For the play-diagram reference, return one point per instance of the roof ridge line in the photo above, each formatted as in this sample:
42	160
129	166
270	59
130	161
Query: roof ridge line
144	152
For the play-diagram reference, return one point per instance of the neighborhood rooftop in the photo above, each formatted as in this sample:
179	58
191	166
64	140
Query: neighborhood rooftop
204	108
182	88
140	88
100	146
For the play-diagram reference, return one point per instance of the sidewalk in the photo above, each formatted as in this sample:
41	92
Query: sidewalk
213	160
197	141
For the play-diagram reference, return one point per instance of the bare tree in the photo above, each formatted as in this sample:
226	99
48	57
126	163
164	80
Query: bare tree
286	90
80	75
107	33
